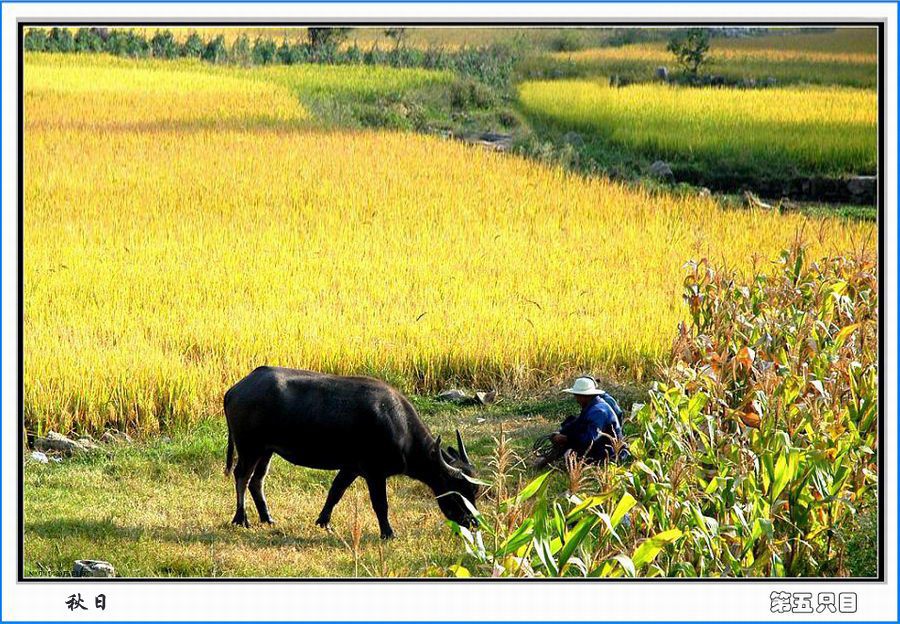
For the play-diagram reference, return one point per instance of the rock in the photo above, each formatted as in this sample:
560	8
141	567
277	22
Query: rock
59	443
88	443
454	396
573	138
87	567
491	140
862	186
661	169
662	73
39	457
112	436
486	398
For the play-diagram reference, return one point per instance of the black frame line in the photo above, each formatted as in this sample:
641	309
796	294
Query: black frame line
21	24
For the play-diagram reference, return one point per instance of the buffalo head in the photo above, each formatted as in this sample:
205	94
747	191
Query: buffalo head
455	481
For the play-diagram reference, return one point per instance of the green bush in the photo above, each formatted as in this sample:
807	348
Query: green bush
60	40
466	94
127	43
567	40
215	51
163	45
88	40
35	40
193	46
690	48
263	51
240	51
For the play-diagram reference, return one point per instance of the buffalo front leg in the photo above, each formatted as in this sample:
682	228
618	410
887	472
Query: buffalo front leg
340	484
256	488
378	496
242	472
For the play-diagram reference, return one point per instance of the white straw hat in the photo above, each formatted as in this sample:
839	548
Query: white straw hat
585	386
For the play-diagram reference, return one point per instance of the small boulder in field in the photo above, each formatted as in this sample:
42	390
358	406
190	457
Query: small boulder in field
91	568
112	436
39	457
88	443
59	443
661	170
486	398
454	396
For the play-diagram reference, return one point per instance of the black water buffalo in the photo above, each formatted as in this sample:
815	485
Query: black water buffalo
359	426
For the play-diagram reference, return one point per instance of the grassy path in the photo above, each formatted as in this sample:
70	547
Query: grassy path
163	508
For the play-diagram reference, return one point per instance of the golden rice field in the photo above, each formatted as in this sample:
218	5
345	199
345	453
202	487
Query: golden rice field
172	244
845	56
824	130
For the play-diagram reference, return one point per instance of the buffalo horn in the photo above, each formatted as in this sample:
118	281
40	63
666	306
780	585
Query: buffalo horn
462	448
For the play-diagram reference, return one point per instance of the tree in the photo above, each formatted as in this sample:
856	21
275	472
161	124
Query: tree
193	46
240	51
215	51
60	40
163	45
326	37
690	48
87	40
398	34
263	51
35	40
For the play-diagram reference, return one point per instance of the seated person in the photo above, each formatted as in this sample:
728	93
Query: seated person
592	431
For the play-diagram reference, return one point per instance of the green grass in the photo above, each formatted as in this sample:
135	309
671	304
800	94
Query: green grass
162	507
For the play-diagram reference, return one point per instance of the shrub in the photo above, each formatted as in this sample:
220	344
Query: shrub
326	37
215	51
35	40
88	40
163	45
690	48
567	40
127	43
193	46
466	94
240	51
263	51
60	40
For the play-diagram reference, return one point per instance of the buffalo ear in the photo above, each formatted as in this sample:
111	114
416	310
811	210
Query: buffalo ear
452	452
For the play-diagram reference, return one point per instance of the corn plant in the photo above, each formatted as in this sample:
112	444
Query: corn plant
753	451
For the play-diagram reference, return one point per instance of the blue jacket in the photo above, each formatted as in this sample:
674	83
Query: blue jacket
585	431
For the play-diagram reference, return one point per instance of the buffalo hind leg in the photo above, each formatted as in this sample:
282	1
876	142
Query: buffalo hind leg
256	488
340	484
378	496
242	471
